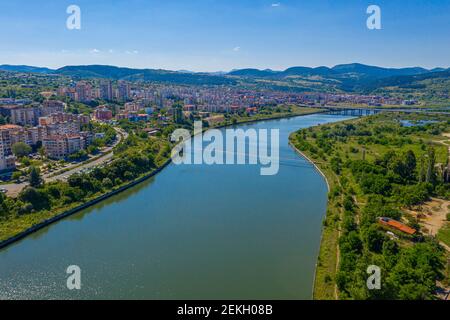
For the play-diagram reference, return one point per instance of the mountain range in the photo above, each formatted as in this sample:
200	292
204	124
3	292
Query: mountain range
353	77
355	69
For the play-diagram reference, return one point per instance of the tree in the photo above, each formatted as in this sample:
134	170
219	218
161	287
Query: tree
350	243
38	199
4	210
374	238
431	160
107	183
42	152
398	167
415	274
336	165
410	163
16	175
25	161
92	149
34	177
79	155
376	184
21	149
2	120
415	194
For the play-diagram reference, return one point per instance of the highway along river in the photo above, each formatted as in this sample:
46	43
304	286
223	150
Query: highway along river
191	232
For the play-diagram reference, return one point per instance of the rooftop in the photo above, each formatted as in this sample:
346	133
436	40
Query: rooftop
9	127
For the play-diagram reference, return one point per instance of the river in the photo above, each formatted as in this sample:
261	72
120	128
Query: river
191	232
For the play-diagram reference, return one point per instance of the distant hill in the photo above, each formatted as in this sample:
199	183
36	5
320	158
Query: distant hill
353	77
376	72
432	87
253	73
353	69
305	71
409	80
117	73
25	69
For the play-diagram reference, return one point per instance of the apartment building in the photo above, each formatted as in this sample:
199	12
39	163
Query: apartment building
123	91
102	113
7	159
25	116
13	101
6	131
132	107
52	106
63	123
30	136
61	146
64	117
106	91
7	163
83	91
5	110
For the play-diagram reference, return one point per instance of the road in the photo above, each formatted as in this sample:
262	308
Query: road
15	188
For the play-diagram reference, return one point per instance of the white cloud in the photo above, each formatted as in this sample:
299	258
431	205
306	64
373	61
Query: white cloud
94	51
236	49
132	52
274	5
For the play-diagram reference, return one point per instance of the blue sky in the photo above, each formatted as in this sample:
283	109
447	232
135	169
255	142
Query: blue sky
208	35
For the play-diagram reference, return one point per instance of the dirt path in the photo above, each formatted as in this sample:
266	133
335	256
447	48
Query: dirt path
432	215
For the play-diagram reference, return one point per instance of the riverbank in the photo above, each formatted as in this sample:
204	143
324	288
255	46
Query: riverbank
312	162
301	112
141	236
356	157
48	218
328	258
66	213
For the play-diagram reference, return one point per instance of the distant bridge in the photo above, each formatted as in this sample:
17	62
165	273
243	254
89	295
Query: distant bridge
350	111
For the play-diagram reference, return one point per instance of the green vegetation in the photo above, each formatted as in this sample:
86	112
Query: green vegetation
134	158
444	233
111	72
35	178
268	112
21	149
376	167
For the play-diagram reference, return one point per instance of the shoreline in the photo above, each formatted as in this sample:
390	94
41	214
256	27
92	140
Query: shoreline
312	162
5	243
316	167
23	234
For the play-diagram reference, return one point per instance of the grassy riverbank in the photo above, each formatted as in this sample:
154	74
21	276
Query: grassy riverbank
377	167
287	111
326	265
134	159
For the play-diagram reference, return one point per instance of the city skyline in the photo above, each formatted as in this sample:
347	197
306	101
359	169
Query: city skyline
209	36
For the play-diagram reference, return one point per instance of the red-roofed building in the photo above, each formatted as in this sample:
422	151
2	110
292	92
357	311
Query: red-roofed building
397	225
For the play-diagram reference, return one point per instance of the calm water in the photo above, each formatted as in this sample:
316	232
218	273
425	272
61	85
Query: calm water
191	232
